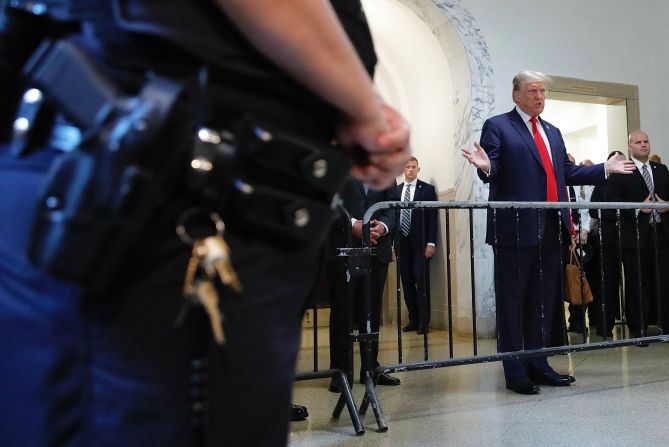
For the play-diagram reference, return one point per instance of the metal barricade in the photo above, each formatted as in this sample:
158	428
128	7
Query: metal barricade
358	259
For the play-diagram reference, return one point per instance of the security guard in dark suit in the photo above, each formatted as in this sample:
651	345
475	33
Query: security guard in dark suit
357	198
107	366
644	237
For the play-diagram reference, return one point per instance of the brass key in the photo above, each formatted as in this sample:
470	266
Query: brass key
211	253
209	263
203	292
214	256
206	294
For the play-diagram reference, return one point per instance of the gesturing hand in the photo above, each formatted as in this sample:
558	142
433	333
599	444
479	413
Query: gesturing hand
478	158
619	165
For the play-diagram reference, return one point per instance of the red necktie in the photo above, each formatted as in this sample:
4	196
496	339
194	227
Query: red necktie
551	185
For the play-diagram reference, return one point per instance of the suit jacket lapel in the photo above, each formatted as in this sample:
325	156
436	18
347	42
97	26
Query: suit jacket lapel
641	183
417	195
658	180
524	132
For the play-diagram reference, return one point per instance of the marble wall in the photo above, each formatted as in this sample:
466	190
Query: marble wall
472	77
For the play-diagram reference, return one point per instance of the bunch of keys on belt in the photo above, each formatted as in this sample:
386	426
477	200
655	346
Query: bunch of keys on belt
209	263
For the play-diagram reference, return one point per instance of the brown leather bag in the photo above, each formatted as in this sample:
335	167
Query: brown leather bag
574	293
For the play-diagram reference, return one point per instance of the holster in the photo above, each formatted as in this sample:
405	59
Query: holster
98	197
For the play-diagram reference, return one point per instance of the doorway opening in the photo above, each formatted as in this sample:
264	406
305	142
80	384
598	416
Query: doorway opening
594	117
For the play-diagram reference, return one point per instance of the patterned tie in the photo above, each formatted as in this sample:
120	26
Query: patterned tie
366	188
551	185
649	183
405	218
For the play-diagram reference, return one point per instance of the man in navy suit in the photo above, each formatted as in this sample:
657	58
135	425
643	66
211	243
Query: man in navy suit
417	238
650	183
523	158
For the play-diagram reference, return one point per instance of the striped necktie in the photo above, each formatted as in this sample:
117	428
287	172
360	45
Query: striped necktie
405	218
655	217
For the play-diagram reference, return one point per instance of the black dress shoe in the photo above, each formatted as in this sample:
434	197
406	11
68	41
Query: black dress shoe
522	386
551	378
298	412
409	327
387	380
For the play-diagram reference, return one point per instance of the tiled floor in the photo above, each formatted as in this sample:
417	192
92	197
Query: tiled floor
620	398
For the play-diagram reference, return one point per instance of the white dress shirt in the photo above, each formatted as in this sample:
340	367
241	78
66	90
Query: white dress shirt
412	193
526	119
583	195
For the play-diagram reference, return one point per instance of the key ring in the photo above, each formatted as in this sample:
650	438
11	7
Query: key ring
191	214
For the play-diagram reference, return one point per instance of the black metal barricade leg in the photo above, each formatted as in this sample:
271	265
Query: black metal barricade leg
450	287
622	298
643	325
660	255
424	292
560	310
369	379
398	297
399	255
603	326
315	332
367	338
346	397
473	282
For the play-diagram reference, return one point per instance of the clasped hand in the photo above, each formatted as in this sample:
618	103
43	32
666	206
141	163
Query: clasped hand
658	199
385	138
376	230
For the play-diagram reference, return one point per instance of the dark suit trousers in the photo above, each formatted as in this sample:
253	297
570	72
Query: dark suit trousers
415	275
641	285
341	314
526	284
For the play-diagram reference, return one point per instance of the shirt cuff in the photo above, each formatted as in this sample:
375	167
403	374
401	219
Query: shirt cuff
431	244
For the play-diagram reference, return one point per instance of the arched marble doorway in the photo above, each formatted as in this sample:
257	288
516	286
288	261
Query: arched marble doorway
435	67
